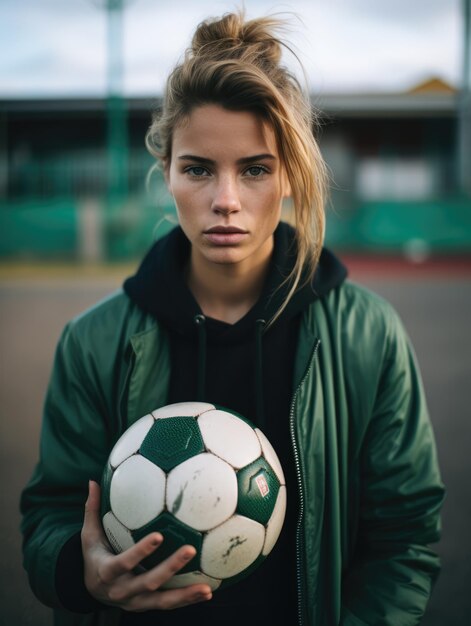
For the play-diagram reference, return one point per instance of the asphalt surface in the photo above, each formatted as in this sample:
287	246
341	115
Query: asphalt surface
436	310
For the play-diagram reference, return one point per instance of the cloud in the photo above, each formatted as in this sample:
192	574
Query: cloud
403	13
50	45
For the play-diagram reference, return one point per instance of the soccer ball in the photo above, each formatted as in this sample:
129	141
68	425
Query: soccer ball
200	475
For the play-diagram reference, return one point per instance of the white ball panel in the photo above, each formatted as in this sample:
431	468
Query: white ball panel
275	523
118	535
130	442
191	578
137	492
271	456
202	491
228	549
188	409
229	437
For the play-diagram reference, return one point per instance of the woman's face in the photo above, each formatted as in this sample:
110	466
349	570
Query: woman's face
228	184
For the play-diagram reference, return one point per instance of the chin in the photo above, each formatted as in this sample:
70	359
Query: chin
224	257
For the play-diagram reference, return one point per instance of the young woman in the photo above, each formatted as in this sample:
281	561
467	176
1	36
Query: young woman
238	308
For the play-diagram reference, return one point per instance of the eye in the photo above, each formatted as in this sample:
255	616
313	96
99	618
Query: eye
197	171
256	171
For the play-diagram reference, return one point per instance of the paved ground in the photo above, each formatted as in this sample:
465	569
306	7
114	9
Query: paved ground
436	309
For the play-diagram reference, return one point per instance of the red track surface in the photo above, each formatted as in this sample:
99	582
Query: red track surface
401	267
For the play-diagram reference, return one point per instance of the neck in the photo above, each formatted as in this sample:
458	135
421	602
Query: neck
226	292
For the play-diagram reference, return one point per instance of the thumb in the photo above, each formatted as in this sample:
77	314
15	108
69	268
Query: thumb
92	529
93	501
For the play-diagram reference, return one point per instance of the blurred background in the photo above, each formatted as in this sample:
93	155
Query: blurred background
79	81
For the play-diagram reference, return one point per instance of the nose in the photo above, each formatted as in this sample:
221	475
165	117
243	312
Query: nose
226	196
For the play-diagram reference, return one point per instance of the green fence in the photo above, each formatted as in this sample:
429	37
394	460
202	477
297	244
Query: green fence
92	230
435	226
42	229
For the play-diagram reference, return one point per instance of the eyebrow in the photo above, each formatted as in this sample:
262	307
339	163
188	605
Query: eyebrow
242	161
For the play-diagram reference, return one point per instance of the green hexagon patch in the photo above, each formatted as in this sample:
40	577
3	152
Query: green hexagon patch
171	441
258	489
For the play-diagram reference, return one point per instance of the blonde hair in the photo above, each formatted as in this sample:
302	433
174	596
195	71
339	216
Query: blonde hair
237	64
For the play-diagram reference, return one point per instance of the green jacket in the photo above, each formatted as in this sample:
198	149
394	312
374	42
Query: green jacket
370	488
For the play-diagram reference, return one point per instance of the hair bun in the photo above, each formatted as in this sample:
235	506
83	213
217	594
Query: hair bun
231	37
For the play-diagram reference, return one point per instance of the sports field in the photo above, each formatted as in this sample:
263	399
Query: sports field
434	303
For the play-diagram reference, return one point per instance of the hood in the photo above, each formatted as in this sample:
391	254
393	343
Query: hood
159	286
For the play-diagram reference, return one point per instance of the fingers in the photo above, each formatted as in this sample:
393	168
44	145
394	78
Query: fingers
158	575
125	562
142	592
170	599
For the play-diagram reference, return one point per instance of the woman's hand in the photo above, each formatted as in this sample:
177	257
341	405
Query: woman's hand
110	578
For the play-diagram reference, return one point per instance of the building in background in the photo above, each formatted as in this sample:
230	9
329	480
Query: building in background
394	161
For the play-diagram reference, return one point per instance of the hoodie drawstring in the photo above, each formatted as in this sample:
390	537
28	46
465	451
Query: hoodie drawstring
200	322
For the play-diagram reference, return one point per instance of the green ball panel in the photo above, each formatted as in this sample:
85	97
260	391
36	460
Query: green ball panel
258	489
105	489
171	441
175	534
227	582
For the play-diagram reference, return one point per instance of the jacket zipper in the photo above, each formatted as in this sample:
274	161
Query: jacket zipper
297	463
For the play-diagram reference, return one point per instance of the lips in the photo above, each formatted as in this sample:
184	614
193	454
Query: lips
225	235
225	230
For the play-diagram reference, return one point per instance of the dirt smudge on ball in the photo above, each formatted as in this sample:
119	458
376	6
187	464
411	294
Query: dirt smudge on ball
234	543
179	499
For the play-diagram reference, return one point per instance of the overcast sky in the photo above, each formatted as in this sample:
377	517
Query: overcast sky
58	47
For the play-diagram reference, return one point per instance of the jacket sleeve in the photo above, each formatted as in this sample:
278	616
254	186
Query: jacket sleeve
393	570
75	442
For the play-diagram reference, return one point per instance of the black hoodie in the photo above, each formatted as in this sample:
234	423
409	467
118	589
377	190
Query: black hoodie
234	365
245	367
